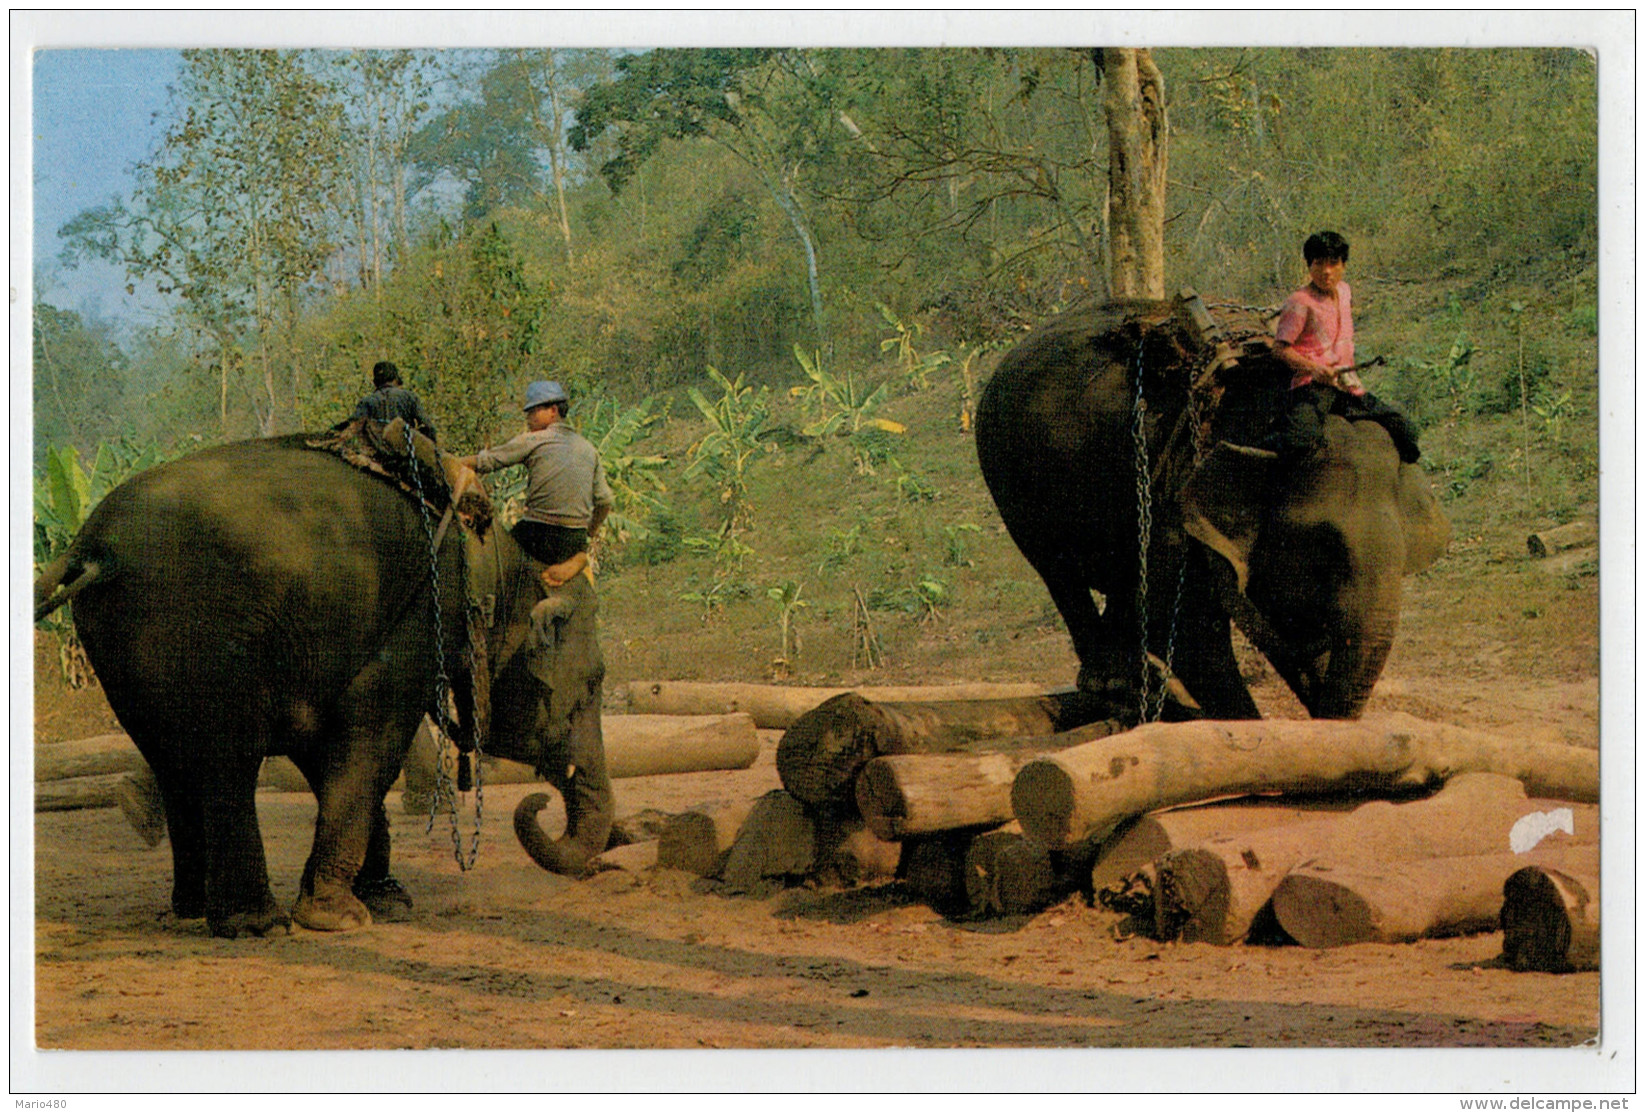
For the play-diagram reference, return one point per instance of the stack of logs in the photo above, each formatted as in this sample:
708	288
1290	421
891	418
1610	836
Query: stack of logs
1384	829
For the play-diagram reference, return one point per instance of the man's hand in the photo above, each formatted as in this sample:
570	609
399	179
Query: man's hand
557	575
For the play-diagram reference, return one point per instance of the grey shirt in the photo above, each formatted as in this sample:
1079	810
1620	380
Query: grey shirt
564	478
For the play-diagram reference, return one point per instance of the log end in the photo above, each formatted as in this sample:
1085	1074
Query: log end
1042	797
819	755
1537	928
880	800
1317	912
690	842
1191	898
1009	874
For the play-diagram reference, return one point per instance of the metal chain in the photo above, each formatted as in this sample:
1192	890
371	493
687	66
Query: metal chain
1152	702
444	791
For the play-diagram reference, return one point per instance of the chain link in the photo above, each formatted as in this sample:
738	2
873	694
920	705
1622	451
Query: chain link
444	791
1151	702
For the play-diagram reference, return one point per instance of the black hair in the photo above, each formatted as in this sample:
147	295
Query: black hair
1325	245
384	374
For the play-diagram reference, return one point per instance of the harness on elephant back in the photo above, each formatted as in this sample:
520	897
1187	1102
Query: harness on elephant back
442	486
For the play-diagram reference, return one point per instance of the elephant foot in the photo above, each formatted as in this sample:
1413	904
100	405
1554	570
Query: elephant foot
333	910
1117	698
385	898
258	923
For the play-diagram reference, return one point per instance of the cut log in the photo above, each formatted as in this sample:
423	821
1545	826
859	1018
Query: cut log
1550	920
1569	562
1573	535
1214	892
1325	904
98	791
933	868
280	774
87	757
698	840
904	795
848	853
776	706
1008	873
777	841
634	857
139	800
1084	792
649	745
818	758
1158	833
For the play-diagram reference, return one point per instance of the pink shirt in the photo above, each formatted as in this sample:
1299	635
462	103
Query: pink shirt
1319	328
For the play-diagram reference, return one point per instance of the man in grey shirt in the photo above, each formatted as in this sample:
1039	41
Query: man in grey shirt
567	497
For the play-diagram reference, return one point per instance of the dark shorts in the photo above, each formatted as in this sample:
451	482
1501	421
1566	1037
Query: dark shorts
1303	425
550	544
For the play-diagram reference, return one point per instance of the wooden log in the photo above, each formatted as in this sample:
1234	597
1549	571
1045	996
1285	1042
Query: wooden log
819	756
1008	873
1214	892
778	841
1550	920
1573	535
140	802
904	795
776	706
932	867
87	757
280	774
848	853
649	745
699	839
1329	904
634	857
1158	833
1085	792
97	791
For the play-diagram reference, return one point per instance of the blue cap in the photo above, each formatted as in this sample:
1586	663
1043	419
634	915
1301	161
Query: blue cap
544	393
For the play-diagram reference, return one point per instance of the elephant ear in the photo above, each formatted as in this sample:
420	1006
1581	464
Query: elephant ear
1222	504
1426	530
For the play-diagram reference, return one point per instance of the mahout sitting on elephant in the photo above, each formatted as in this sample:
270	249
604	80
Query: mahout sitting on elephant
268	597
1115	442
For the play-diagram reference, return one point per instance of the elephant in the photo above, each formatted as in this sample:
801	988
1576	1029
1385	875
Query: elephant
265	597
1305	555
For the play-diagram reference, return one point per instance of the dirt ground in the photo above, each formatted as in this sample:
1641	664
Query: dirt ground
507	956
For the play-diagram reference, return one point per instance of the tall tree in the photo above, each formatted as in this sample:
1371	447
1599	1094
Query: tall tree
769	109
1138	137
231	211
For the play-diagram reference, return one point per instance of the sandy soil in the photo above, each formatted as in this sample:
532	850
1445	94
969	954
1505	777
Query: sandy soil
507	956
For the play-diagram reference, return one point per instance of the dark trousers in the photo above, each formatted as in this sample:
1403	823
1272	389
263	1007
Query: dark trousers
550	544
1302	427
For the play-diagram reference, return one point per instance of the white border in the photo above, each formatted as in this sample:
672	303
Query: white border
1609	1068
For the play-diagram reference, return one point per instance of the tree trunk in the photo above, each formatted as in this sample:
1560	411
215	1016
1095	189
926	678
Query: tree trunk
1138	134
905	795
1213	892
1086	791
100	790
776	706
820	755
1153	836
1329	904
698	840
1550	920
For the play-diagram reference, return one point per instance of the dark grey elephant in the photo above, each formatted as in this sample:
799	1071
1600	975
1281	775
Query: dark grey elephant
1307	559
266	598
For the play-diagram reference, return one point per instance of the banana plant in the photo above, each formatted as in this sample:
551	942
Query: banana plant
726	452
635	477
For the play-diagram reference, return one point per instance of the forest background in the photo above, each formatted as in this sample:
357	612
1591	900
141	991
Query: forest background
774	281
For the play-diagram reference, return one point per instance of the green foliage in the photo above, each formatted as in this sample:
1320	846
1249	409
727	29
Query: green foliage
916	369
786	596
728	450
957	554
66	491
842	546
636	479
923	598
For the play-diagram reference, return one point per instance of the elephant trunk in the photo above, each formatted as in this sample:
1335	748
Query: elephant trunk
568	855
1358	652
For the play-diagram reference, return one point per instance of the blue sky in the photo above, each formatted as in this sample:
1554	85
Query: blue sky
93	118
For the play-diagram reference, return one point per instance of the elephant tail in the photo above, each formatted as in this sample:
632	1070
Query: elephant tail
565	855
50	592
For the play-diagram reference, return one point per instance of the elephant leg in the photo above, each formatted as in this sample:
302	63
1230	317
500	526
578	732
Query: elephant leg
1204	660
238	897
1106	666
185	826
376	888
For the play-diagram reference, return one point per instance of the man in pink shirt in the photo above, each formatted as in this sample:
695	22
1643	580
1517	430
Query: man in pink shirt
1315	339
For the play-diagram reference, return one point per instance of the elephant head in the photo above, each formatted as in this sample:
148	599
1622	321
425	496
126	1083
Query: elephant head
547	678
1312	557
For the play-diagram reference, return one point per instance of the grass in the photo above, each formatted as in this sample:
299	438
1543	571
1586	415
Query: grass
995	620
